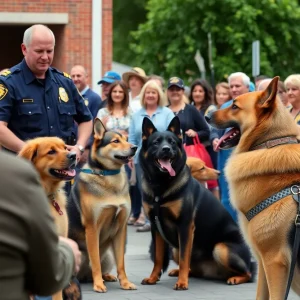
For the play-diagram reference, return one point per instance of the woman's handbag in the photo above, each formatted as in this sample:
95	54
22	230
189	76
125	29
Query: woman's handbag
198	150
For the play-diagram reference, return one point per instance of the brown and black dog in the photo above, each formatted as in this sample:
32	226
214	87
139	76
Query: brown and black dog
186	216
99	206
55	164
265	161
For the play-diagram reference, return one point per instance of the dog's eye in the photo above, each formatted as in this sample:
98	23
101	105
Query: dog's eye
51	152
234	106
116	141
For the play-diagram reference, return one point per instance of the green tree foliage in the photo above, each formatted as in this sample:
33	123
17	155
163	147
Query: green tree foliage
167	42
127	15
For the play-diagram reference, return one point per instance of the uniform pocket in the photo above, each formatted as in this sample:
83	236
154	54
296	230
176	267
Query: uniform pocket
66	116
30	117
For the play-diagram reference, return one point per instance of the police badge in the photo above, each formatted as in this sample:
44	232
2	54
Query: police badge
63	96
3	91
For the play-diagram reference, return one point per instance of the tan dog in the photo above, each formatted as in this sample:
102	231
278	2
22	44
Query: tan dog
266	161
200	171
100	205
55	165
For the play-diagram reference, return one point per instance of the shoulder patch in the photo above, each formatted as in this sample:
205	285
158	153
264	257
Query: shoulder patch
67	75
3	91
5	72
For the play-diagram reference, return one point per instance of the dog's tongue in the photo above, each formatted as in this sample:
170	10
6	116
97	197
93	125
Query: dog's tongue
166	164
70	172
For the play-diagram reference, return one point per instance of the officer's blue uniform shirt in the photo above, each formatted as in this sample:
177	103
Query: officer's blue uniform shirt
92	100
34	108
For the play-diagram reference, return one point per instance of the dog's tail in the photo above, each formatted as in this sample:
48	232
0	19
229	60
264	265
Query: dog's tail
167	254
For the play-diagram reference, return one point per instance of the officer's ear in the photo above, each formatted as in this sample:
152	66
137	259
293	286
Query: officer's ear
29	151
99	129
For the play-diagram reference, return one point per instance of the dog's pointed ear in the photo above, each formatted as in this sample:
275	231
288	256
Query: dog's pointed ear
29	151
147	128
269	94
174	127
99	129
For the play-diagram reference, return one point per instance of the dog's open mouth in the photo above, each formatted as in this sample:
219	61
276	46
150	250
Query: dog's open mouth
124	159
64	174
165	165
229	139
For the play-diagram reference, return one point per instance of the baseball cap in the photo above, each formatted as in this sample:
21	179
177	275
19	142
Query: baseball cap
110	77
176	81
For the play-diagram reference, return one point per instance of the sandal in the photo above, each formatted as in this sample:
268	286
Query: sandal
131	220
140	221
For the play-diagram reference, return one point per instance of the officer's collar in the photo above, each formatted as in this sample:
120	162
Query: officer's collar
29	76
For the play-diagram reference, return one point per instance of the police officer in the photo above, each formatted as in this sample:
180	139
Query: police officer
37	100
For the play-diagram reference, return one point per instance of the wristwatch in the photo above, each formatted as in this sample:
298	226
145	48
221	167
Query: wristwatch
81	148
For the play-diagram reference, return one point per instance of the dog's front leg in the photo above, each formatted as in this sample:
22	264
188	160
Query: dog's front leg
119	251
159	249
92	241
186	237
262	292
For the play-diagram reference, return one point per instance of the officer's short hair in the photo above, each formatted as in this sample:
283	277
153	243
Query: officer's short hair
29	31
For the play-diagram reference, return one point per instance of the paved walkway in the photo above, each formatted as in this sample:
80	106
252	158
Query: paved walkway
138	266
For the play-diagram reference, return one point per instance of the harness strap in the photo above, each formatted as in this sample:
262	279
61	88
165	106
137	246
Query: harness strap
295	247
156	207
271	200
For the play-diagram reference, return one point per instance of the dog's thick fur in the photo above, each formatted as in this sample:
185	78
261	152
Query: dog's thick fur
187	216
55	164
200	171
255	175
99	206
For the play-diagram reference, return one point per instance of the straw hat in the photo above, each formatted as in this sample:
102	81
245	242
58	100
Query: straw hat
136	71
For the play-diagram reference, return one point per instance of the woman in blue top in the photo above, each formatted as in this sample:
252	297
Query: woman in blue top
153	107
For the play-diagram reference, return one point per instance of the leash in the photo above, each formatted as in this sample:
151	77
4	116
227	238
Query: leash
156	206
296	243
101	172
55	204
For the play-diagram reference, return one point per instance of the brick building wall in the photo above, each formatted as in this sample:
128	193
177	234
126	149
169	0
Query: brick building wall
73	40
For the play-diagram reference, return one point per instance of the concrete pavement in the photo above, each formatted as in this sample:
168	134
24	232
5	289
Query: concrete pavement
138	266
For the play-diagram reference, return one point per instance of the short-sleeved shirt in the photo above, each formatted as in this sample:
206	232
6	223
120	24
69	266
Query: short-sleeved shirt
114	123
40	107
297	117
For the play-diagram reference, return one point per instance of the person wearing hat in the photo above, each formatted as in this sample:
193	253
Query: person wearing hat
135	80
108	78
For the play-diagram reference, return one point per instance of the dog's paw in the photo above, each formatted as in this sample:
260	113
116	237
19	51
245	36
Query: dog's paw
127	285
174	273
109	278
150	280
100	287
238	279
181	286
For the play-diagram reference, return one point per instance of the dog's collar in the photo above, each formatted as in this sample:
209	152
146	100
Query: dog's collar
55	204
101	172
291	190
275	142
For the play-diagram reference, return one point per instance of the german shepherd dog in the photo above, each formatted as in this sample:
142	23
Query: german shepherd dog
99	205
186	216
265	161
55	164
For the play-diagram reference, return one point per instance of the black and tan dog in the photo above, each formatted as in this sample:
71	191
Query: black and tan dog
55	164
187	216
99	205
262	172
